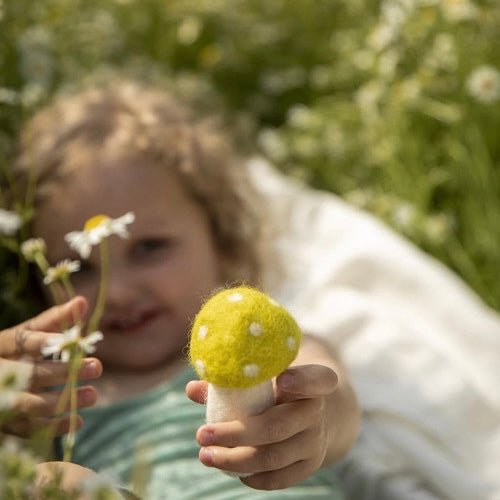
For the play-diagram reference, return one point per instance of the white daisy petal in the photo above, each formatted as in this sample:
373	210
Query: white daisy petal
87	343
61	270
95	230
49	350
65	355
30	248
10	222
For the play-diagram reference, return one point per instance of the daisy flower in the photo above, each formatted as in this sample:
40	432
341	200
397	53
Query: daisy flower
14	378
61	270
10	222
63	344
484	84
32	247
97	229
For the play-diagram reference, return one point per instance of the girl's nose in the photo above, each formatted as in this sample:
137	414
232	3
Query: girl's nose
120	291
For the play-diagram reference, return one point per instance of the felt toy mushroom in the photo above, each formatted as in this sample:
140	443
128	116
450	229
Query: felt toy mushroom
240	340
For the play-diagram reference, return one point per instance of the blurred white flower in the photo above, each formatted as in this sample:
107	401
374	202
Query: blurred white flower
32	94
409	90
61	270
387	63
8	96
458	10
97	229
30	248
361	198
189	30
62	345
442	54
301	116
396	12
15	377
484	84
437	228
10	222
381	36
363	59
368	98
17	464
272	144
404	216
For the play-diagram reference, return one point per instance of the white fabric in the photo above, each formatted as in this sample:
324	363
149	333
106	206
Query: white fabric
422	350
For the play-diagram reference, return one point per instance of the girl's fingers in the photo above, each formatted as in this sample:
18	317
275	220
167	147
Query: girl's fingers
52	373
276	424
29	337
59	317
282	478
196	391
249	459
16	342
306	381
44	404
26	427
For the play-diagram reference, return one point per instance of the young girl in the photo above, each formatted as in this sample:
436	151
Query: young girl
125	148
420	347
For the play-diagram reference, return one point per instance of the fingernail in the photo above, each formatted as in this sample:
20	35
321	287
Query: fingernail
89	368
87	397
207	438
286	381
207	456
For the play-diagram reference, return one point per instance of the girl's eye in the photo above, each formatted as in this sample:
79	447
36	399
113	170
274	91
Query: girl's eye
151	245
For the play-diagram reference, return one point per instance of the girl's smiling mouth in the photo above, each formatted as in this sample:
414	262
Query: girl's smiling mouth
129	324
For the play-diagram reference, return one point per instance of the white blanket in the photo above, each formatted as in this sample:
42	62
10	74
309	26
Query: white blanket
422	350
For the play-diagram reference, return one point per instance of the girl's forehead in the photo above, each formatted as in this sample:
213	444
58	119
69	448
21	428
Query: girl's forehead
153	193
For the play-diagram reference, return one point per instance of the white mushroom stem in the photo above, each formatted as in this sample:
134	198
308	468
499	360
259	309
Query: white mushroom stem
225	404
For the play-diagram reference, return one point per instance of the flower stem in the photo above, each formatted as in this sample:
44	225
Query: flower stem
72	388
68	287
103	285
44	265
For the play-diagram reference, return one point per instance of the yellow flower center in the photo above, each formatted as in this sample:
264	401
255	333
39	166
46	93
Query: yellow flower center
95	221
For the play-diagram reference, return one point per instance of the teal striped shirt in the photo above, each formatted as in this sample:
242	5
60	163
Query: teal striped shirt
152	437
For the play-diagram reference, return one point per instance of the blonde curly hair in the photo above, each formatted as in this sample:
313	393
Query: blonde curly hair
141	122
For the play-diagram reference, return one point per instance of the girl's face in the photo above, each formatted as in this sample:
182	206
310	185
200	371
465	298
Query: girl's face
158	276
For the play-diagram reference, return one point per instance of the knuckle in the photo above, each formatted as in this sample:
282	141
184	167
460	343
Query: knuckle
271	482
274	431
269	459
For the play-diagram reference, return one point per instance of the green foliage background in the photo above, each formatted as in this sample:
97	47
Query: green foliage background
369	99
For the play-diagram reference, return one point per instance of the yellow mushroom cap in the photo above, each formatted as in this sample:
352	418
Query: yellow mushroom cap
241	337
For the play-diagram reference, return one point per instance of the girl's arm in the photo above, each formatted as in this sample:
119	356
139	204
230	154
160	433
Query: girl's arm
344	415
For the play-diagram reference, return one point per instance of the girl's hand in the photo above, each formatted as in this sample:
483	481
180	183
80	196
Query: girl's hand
283	445
34	408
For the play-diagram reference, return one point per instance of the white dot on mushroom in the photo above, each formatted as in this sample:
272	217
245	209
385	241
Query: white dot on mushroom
255	329
251	370
202	332
200	367
235	297
291	343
